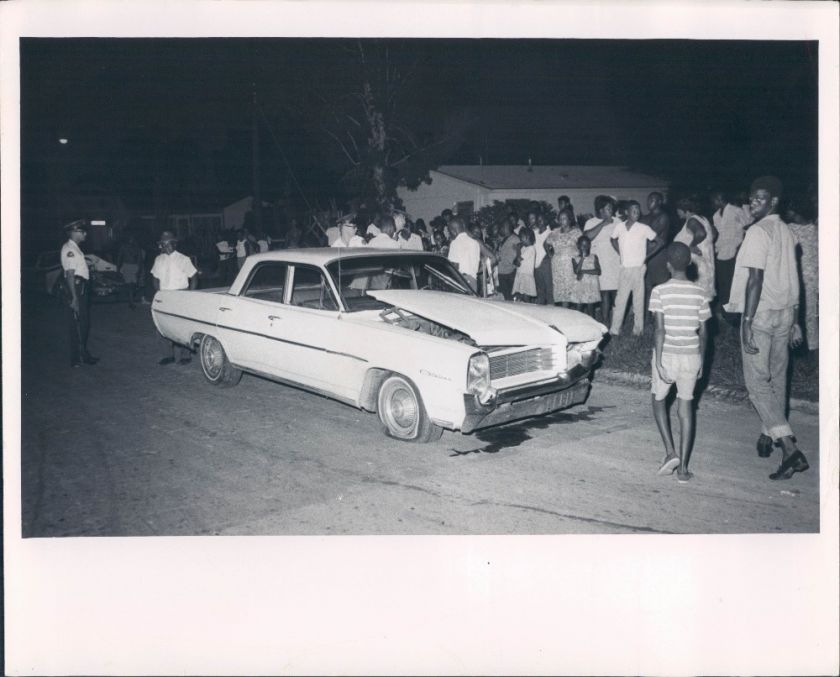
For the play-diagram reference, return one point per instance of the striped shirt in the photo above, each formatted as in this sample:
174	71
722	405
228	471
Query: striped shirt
684	306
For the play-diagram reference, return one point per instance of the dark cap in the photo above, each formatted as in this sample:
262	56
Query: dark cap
769	183
679	256
78	224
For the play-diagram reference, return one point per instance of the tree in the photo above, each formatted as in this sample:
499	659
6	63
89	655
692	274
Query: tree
380	138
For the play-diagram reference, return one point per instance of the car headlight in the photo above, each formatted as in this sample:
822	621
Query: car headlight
478	378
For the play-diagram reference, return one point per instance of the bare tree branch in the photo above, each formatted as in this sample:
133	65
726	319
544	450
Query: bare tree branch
352	160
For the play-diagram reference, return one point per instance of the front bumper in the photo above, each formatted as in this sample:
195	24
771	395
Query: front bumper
526	401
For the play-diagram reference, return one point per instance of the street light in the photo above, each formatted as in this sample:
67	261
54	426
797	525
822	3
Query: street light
63	141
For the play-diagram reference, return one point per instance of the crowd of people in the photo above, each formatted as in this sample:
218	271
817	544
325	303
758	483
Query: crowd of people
739	261
598	264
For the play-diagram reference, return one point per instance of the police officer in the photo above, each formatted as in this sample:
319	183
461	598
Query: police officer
77	286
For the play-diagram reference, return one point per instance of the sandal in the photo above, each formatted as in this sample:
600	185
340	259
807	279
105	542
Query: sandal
794	463
669	466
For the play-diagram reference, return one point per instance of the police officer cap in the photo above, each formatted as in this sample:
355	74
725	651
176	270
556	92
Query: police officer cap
167	236
78	224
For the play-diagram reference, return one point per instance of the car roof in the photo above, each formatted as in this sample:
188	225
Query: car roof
322	256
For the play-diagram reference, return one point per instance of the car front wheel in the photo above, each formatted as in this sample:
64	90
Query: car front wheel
401	411
215	365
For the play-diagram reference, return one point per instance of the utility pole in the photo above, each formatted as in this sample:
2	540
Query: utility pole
255	162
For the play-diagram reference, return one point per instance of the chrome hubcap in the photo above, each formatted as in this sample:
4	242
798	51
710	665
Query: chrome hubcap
400	410
211	358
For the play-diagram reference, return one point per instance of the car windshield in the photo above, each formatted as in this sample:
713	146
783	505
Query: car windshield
355	277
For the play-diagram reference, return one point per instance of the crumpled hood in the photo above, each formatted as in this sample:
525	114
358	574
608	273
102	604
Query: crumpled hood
495	323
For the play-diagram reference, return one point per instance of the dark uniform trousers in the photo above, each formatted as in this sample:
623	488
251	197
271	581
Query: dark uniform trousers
79	323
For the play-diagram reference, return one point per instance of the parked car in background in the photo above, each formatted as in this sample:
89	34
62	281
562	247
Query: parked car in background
399	333
45	276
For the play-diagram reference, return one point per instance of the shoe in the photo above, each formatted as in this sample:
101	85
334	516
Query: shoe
669	466
684	478
764	445
185	360
90	359
167	360
794	463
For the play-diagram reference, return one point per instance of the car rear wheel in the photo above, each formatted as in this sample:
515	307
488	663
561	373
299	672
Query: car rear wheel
401	411
215	365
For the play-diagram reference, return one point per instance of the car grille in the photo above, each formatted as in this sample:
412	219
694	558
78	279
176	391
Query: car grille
513	364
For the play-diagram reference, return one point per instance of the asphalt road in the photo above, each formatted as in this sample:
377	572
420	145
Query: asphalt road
132	448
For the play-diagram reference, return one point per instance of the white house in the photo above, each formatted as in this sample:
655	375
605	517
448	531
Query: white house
466	188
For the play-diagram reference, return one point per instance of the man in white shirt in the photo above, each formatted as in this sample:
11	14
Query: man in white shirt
77	287
173	271
408	240
730	222
464	251
348	237
384	239
635	242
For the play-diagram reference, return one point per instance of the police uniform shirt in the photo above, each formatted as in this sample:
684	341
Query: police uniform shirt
73	259
173	271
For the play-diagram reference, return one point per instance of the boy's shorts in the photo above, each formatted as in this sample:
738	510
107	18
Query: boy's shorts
681	369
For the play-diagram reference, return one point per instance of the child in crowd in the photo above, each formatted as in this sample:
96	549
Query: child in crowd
680	311
586	292
524	284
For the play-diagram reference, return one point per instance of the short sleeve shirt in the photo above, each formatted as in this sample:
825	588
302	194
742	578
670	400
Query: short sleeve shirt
73	259
730	223
770	246
414	242
632	243
466	252
173	271
684	307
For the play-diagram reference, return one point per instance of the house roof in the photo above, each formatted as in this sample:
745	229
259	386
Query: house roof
559	177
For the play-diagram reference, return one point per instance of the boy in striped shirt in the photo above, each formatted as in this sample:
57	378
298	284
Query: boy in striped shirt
680	311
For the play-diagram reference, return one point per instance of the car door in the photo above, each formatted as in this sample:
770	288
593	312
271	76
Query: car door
251	323
318	347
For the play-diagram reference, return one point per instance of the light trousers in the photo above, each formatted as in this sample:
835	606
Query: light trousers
630	281
765	373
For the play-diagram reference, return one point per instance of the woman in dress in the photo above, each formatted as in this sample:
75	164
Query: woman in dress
524	284
561	245
699	235
599	229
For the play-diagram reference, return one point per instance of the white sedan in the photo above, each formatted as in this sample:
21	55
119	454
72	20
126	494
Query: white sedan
399	333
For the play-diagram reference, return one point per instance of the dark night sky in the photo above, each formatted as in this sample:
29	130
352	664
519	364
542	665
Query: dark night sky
693	111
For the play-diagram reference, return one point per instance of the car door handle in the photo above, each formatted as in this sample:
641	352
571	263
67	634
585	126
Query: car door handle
224	308
274	317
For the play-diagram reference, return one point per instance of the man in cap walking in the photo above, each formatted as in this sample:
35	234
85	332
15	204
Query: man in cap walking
173	270
77	286
765	290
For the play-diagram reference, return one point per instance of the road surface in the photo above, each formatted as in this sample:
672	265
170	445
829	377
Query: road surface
130	448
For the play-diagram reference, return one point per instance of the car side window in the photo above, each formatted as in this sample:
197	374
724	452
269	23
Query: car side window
267	282
311	290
